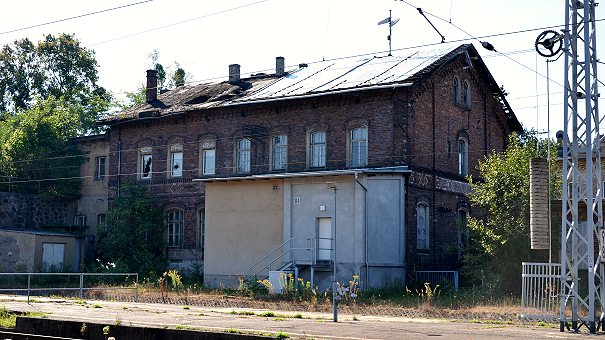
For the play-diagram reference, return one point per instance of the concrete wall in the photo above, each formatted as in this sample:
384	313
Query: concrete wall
21	251
72	256
308	199
16	251
386	230
243	223
317	201
94	331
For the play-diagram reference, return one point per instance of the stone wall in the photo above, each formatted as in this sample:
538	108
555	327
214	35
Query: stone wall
26	211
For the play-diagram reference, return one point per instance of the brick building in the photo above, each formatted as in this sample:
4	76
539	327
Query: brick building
420	122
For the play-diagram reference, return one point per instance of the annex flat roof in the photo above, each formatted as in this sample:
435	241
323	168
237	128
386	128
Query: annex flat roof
39	232
321	173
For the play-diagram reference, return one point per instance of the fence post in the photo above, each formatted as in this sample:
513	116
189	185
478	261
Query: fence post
29	283
81	285
136	288
456	280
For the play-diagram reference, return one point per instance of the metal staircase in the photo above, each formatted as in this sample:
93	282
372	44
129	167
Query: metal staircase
293	255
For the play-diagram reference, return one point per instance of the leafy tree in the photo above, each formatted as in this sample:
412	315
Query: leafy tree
500	241
35	152
179	76
133	98
57	66
132	238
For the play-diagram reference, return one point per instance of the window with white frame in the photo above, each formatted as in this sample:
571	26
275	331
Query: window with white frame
456	90
174	219
208	157
422	223
243	155
466	94
317	149
101	219
176	160
145	163
202	230
81	220
462	157
358	145
100	168
280	152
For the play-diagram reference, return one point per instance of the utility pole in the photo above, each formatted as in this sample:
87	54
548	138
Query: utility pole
335	296
582	274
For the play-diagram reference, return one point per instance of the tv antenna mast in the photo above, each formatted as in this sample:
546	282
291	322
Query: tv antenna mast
582	275
391	23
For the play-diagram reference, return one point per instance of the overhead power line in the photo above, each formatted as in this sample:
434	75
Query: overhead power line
177	23
75	17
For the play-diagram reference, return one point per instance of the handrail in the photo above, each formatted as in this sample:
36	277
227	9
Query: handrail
269	254
290	250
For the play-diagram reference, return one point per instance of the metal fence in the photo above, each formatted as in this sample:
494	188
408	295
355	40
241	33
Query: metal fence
438	277
541	286
80	289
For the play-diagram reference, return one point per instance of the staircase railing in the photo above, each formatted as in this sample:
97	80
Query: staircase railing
288	254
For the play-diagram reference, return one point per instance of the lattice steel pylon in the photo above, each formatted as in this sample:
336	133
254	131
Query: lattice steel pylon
582	269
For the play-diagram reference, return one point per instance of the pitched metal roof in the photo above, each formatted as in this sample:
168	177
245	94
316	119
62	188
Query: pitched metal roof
316	79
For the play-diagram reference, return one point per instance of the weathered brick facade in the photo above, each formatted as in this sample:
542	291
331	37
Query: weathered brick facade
417	125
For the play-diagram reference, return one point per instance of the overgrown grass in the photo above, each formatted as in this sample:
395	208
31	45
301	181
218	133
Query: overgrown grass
9	320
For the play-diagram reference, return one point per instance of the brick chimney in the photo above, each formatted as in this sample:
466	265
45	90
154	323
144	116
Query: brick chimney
280	66
152	85
234	76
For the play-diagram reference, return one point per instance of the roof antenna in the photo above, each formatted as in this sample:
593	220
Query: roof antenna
391	24
435	28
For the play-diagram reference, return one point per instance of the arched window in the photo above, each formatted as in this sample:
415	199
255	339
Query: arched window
462	223
456	90
202	230
279	152
422	225
466	94
174	220
175	160
145	164
358	146
317	149
208	157
243	155
462	157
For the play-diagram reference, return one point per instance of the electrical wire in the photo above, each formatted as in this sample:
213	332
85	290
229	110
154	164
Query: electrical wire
74	17
177	23
229	170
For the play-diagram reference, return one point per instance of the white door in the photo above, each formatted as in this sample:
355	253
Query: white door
52	256
324	242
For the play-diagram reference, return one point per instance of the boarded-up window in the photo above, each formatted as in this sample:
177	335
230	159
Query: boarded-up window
52	256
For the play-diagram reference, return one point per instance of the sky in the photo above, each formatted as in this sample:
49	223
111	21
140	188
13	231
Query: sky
204	37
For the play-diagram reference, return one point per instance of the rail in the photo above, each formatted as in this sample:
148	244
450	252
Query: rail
81	287
540	291
438	277
291	247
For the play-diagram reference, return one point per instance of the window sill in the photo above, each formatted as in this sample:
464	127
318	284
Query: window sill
463	107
